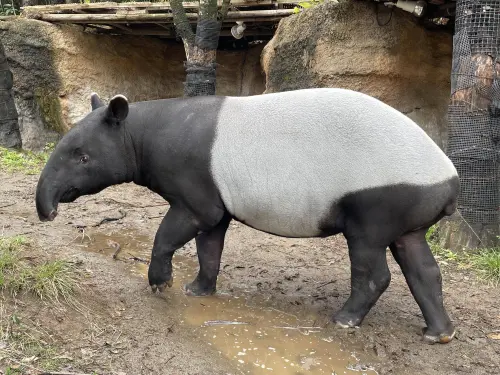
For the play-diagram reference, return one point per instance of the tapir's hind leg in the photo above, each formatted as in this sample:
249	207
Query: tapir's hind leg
370	277
423	276
209	246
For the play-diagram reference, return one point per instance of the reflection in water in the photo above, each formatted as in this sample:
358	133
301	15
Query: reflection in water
256	337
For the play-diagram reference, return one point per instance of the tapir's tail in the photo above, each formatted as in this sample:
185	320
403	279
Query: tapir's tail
450	208
452	204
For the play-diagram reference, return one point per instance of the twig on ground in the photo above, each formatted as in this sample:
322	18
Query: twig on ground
61	373
168	360
116	246
108	219
210	323
133	257
327	283
155	217
7	205
137	206
81	229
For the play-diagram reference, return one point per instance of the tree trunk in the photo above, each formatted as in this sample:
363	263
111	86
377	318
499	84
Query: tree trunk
9	127
201	48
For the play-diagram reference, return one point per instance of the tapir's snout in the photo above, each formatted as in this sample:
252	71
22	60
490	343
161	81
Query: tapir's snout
50	217
46	199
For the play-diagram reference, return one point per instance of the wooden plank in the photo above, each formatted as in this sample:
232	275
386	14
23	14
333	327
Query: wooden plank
123	28
164	25
153	18
143	5
166	33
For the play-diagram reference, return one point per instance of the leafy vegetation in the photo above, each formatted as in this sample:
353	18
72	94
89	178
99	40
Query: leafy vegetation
306	4
8	9
485	262
24	161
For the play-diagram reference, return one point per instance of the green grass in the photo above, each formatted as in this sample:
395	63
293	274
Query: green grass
27	162
485	262
24	345
48	280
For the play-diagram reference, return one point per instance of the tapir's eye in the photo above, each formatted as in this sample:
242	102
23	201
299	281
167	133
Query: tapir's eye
84	158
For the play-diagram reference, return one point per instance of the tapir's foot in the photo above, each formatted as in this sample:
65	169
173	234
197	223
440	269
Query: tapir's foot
346	320
160	276
438	338
199	289
161	287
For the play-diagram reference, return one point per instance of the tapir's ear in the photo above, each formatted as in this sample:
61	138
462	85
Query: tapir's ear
95	101
118	108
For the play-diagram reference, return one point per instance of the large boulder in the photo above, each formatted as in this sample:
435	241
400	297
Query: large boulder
342	45
56	68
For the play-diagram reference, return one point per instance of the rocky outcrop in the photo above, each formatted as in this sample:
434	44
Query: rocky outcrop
57	67
341	45
36	84
9	127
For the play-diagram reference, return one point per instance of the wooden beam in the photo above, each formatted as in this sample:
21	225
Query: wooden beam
165	25
154	18
119	26
143	5
166	33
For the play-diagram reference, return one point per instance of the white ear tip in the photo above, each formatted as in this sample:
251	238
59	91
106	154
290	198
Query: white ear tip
120	96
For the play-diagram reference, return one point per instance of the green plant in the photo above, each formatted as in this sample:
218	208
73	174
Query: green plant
8	9
24	161
48	280
487	262
12	371
306	5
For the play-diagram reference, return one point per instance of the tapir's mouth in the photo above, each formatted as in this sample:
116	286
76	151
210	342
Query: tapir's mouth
70	195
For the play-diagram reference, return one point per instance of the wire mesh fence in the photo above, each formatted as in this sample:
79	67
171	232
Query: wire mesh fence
474	111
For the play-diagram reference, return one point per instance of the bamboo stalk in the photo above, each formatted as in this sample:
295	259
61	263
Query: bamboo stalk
144	5
153	18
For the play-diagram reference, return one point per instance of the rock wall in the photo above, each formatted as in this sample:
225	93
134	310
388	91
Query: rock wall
57	67
341	45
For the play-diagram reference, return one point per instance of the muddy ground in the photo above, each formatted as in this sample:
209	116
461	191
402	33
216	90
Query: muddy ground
128	330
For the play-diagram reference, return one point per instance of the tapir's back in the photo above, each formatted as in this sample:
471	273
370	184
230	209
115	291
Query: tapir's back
280	161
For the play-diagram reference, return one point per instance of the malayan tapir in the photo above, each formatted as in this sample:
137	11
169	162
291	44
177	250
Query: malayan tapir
304	163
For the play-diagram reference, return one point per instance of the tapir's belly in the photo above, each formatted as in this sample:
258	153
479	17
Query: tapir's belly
281	162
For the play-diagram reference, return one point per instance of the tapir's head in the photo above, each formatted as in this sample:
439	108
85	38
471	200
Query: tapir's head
89	158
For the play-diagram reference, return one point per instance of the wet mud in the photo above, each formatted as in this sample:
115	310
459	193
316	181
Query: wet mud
256	337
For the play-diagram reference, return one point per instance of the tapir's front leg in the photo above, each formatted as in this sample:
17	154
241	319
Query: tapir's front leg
209	247
177	228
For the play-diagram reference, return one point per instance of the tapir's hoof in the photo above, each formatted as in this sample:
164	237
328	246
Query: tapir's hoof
161	287
194	290
346	325
442	338
345	321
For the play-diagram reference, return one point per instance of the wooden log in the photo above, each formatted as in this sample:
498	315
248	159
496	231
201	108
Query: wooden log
153	18
143	5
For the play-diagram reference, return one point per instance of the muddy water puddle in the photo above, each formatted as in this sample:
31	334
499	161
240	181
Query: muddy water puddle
258	338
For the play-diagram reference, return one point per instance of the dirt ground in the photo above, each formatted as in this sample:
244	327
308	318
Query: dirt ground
128	330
